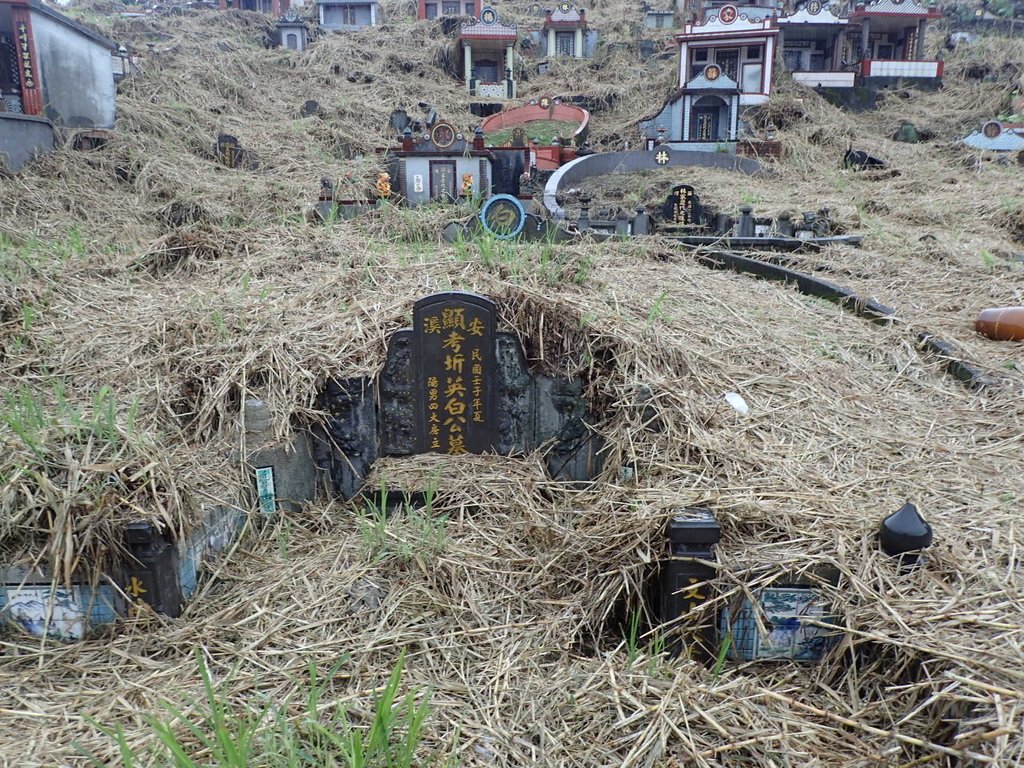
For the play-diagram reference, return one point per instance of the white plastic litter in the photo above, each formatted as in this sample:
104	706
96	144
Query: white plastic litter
737	402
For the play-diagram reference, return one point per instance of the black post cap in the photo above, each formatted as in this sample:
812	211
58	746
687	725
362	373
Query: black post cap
694	525
141	533
904	531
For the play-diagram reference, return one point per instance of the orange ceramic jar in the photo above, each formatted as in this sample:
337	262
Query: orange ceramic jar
1001	323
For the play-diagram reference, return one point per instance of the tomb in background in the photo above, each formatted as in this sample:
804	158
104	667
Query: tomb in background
659	18
442	165
273	7
488	56
54	73
996	136
292	31
728	59
565	33
348	15
230	153
527	121
445	9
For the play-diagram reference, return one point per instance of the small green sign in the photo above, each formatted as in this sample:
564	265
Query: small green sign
265	490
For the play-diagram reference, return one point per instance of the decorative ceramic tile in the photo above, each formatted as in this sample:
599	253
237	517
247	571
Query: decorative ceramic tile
62	613
791	615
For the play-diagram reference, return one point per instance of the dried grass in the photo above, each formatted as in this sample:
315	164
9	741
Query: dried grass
195	285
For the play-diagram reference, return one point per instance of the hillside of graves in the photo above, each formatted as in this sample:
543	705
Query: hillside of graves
172	323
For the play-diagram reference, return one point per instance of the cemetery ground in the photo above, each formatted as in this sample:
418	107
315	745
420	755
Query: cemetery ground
147	291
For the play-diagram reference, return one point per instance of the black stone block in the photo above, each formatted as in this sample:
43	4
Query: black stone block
153	574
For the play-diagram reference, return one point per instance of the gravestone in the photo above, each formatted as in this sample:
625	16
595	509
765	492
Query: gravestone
399	121
519	138
229	150
454	384
454	360
745	223
508	172
682	206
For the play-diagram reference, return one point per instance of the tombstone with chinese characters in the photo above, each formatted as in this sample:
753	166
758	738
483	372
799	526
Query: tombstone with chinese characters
682	208
230	153
455	359
455	384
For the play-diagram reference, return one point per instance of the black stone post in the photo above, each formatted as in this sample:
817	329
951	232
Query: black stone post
641	222
823	223
583	223
745	226
684	581
622	224
807	225
785	225
153	576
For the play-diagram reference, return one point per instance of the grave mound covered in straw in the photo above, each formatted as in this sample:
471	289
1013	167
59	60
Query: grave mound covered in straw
147	291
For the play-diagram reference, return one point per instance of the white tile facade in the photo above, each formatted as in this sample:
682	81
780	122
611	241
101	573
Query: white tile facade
903	69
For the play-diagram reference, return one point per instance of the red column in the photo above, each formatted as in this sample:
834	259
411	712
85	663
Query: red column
275	8
28	62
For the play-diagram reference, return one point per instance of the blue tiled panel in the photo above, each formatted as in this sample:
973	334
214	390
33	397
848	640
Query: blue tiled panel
790	615
73	614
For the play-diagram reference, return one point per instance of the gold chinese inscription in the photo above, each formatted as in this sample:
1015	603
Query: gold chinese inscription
136	588
228	149
455	341
682	212
28	77
693	595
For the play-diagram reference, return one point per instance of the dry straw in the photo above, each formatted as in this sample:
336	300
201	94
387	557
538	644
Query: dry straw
181	286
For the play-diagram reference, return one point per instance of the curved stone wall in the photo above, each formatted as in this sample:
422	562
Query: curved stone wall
533	112
605	163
